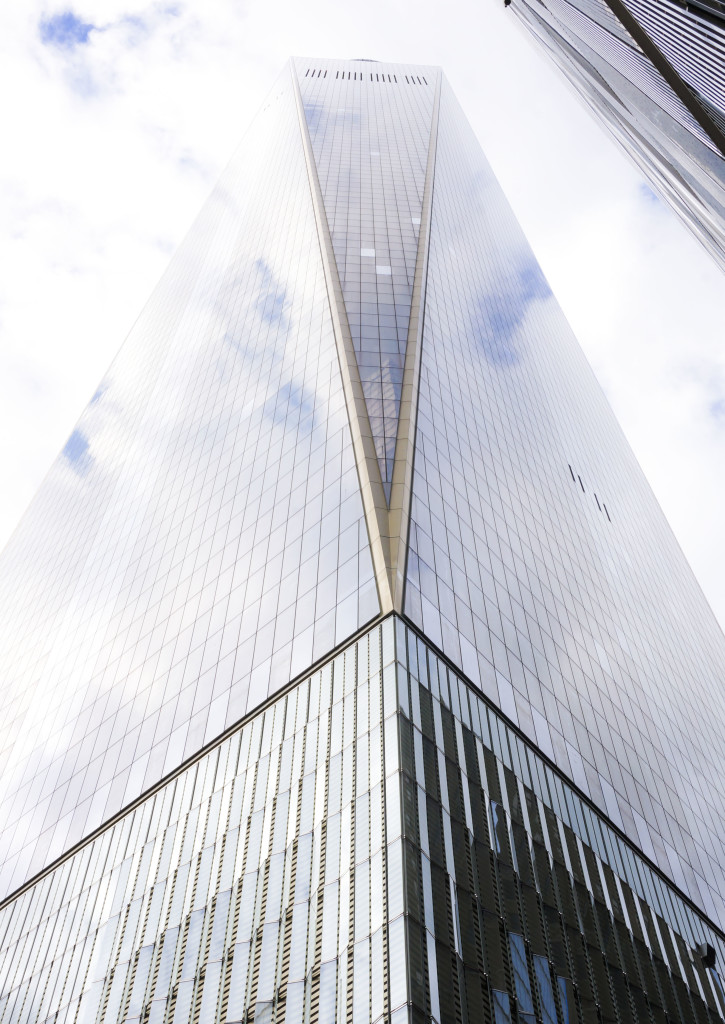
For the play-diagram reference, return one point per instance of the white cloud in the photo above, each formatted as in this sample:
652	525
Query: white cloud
111	145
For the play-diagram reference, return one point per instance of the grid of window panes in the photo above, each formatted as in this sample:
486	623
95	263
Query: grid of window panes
370	127
521	903
376	843
264	880
201	539
539	560
635	103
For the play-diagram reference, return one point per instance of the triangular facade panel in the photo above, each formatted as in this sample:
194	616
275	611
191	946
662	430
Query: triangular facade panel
370	132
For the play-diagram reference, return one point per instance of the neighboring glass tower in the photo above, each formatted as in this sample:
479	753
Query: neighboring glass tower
653	72
350	671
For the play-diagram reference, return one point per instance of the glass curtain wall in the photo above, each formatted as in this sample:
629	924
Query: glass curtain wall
376	844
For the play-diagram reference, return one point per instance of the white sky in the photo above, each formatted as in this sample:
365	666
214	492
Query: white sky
111	146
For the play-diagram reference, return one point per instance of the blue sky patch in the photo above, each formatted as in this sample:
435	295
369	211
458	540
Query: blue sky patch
717	409
646	192
64	30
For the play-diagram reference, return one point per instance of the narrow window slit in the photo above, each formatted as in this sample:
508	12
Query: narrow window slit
608	515
572	474
582	485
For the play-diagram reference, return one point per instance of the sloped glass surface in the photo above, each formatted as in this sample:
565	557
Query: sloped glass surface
370	133
201	539
540	561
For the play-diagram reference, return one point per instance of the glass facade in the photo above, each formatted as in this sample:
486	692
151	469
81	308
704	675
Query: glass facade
372	177
377	844
351	671
653	72
539	560
262	880
201	539
691	35
522	904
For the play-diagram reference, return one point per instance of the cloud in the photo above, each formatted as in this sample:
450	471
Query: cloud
717	409
64	31
91	56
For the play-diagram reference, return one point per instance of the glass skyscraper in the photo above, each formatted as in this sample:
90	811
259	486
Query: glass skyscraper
350	671
653	72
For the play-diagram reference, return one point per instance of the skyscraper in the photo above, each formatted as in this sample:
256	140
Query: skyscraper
350	669
653	72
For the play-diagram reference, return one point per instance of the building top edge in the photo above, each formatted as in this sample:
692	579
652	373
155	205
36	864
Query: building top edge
363	63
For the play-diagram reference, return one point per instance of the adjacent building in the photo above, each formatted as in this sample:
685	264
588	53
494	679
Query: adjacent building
653	72
350	670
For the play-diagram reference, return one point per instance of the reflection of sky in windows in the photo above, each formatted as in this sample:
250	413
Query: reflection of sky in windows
317	779
76	451
372	176
270	300
214	543
499	314
573	630
200	540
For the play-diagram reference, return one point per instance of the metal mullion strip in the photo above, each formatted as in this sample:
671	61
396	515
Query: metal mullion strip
685	39
665	68
401	492
366	459
632	62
